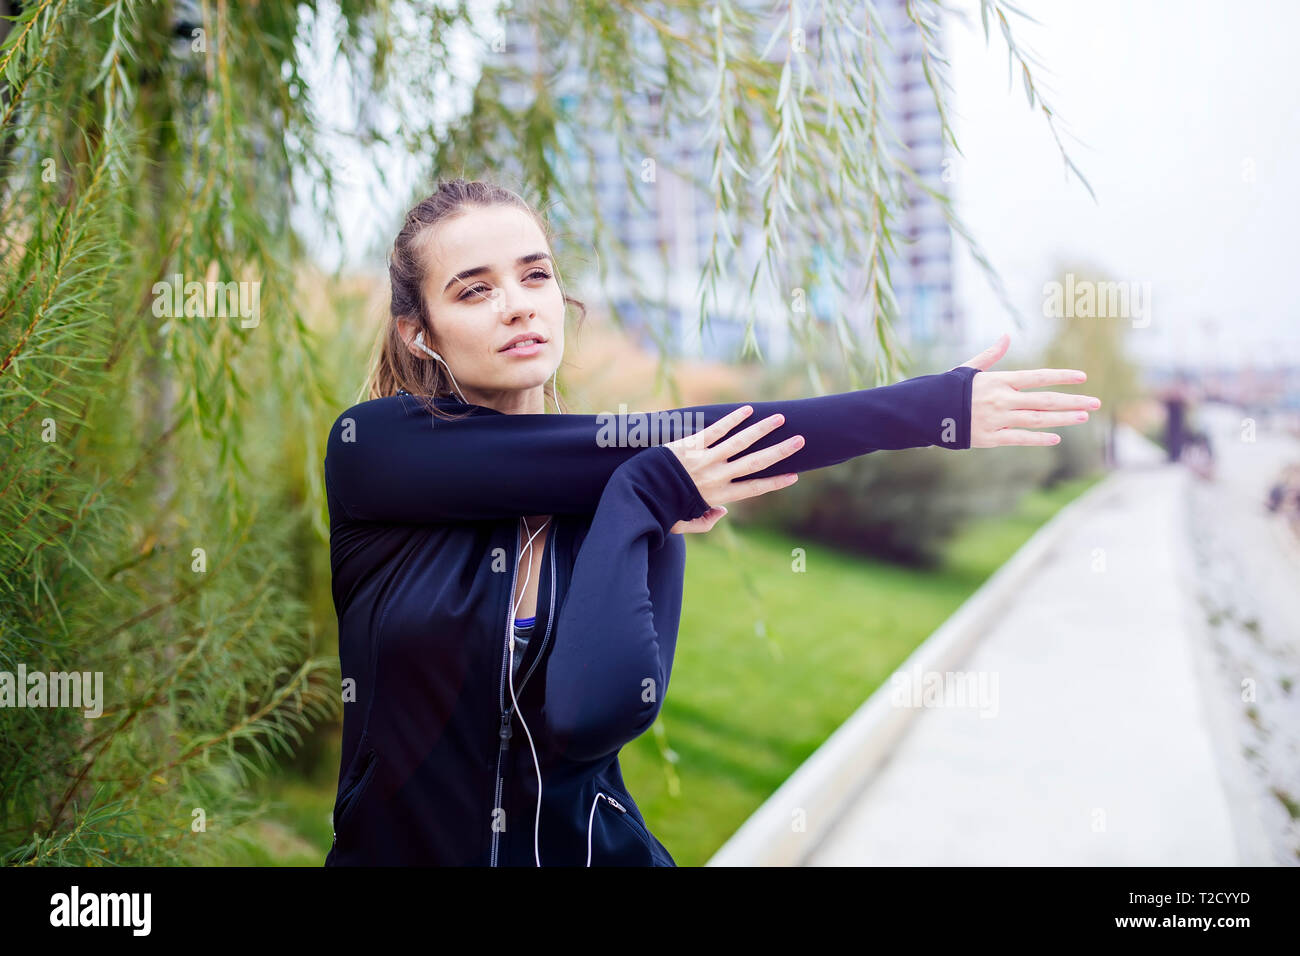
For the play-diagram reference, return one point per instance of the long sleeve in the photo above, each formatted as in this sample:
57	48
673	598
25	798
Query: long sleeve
609	667
389	460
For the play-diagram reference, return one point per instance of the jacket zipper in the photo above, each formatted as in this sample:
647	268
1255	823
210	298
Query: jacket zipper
504	731
614	803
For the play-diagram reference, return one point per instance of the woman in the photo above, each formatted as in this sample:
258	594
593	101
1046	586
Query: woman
498	569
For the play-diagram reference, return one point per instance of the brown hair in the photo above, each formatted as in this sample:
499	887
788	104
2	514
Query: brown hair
393	366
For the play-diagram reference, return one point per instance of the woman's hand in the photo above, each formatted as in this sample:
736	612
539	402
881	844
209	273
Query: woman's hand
712	473
1001	413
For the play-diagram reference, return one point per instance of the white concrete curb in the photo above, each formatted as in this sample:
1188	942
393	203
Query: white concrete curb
786	829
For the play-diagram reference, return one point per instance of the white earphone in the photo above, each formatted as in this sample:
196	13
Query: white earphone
419	341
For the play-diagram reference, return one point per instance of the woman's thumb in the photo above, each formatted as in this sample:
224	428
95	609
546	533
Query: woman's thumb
992	355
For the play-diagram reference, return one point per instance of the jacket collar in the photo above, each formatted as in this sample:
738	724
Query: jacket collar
443	401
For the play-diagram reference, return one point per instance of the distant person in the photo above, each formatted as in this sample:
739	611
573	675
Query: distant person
1175	413
1284	494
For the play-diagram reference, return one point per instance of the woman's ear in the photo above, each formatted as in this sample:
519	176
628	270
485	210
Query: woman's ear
408	329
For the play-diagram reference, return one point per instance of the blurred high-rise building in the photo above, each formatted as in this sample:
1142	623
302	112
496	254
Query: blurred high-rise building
677	218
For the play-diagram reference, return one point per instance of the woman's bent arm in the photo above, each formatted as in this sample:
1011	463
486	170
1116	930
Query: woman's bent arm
608	669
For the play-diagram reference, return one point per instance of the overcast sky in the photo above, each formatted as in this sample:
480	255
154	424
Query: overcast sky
1178	102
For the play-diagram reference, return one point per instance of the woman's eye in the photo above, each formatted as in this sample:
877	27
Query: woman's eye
477	289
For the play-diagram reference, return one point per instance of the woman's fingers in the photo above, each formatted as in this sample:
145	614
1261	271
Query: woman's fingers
1034	418
1018	436
1054	401
700	525
757	461
705	437
736	490
693	450
1002	410
747	436
1038	377
713	473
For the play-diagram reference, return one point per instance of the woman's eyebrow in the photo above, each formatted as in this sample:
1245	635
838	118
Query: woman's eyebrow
479	270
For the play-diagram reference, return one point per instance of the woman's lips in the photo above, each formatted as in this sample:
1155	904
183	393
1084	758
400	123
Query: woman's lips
524	350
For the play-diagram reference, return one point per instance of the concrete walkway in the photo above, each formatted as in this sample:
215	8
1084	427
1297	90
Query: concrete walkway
1099	747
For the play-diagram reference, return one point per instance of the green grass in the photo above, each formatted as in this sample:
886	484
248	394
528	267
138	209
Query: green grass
769	662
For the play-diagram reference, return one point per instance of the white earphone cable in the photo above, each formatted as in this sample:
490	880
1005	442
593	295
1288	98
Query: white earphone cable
537	819
591	818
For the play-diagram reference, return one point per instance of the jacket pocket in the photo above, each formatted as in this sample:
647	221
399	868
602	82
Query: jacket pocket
617	805
623	813
618	841
351	796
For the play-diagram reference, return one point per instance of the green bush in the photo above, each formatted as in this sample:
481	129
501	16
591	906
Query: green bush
903	505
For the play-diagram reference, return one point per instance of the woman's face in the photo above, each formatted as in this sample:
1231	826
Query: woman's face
490	278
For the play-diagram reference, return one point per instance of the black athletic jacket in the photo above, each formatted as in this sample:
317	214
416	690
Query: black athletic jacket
437	766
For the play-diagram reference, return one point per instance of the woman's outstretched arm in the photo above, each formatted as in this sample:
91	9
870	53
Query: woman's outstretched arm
389	460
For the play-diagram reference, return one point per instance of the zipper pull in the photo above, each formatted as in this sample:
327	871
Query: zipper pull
616	804
505	730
